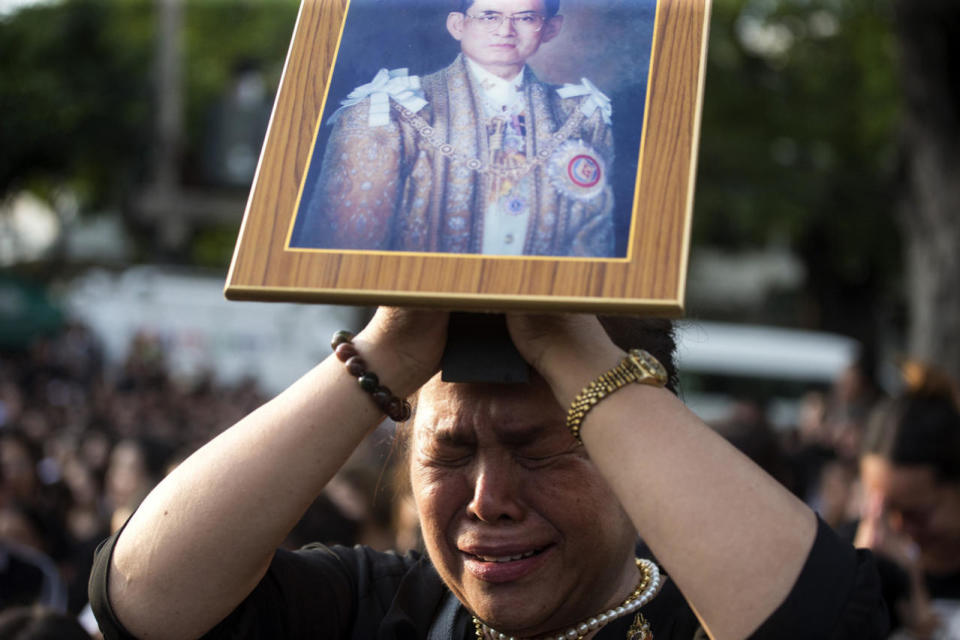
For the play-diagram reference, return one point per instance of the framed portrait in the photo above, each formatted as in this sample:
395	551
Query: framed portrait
480	155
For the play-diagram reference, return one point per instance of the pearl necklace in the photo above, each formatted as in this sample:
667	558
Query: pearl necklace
646	589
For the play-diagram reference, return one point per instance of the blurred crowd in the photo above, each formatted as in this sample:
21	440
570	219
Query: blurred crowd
82	443
884	471
80	446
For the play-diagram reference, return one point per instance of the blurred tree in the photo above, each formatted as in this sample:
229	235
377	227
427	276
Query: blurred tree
223	39
929	33
832	126
75	97
77	92
798	148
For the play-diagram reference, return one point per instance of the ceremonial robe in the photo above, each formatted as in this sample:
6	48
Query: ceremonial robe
420	180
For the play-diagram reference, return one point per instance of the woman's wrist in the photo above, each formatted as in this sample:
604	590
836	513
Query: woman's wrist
396	408
569	369
402	347
391	366
567	350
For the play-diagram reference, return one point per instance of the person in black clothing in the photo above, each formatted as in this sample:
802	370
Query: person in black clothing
530	512
910	469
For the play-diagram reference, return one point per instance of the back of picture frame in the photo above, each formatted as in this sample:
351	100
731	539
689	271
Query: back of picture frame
485	155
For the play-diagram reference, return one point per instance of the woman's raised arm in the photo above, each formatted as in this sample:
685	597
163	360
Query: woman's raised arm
731	537
202	540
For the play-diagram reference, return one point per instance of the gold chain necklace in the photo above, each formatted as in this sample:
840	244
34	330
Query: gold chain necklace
514	172
646	589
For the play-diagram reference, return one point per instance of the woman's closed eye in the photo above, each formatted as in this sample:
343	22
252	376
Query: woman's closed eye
541	456
447	456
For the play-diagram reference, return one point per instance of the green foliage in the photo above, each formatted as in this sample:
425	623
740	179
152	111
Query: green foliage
213	247
74	95
799	123
77	92
221	35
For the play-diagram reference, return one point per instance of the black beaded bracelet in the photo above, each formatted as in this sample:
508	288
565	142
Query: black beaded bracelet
396	408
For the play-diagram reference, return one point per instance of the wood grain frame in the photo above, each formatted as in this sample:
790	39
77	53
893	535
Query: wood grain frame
650	280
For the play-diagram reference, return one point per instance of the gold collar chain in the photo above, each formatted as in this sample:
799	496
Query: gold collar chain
513	172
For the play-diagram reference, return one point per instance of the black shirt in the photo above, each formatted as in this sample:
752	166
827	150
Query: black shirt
360	594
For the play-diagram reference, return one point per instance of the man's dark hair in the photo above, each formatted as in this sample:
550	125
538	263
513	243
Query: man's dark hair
551	6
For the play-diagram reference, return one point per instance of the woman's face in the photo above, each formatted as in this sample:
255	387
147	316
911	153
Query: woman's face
127	479
917	504
18	469
515	516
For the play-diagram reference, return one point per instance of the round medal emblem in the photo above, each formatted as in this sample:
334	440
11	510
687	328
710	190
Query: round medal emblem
577	170
584	171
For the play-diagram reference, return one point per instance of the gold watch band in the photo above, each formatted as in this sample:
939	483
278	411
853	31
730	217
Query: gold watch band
637	366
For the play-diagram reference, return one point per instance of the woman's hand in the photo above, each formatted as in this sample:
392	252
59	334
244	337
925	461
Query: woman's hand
568	350
874	533
404	346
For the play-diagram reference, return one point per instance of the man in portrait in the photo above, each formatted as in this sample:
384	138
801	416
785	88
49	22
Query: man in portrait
480	157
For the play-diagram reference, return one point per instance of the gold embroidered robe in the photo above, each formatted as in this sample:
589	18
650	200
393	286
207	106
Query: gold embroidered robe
413	185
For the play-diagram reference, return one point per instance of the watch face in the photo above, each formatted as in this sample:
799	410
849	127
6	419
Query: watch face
648	365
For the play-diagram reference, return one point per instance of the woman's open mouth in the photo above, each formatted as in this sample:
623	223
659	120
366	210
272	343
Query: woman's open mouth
505	568
512	558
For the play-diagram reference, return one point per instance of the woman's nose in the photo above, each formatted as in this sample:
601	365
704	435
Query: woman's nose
496	494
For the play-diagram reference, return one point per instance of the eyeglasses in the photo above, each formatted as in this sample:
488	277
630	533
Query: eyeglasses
524	22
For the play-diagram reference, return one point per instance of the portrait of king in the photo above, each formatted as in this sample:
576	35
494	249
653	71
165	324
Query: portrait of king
480	157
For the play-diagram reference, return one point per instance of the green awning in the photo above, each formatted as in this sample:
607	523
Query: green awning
26	312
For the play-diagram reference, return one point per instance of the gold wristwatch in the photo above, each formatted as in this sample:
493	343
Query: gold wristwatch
637	366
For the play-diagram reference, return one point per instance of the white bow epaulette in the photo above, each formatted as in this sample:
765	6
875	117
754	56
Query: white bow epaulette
596	99
387	85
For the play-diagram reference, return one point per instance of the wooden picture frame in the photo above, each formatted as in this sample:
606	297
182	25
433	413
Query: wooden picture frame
644	273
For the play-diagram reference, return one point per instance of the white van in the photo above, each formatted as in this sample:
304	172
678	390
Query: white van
720	363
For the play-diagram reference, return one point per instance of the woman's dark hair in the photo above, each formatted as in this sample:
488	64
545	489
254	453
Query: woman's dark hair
656	335
920	427
551	6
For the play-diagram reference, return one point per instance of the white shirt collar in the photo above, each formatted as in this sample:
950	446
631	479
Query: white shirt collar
503	95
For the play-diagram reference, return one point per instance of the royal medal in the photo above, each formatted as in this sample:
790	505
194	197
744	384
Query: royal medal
577	170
